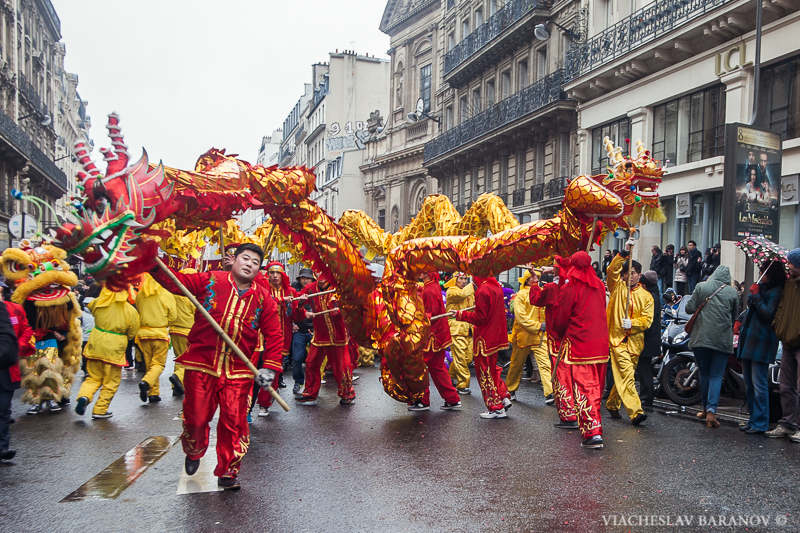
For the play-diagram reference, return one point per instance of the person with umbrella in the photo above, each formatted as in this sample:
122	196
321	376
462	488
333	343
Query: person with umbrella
758	343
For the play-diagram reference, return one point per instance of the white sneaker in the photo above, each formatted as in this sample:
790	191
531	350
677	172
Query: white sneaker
263	411
356	377
795	437
419	406
102	416
452	406
507	403
500	413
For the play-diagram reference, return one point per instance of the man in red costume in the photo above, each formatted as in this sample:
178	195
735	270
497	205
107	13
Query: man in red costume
437	343
282	292
215	377
490	336
574	309
330	340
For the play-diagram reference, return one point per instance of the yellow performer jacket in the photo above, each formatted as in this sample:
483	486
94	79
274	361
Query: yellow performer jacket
641	309
528	320
115	321
458	299
184	319
157	310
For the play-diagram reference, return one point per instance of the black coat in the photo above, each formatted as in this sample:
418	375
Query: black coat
9	349
695	262
652	335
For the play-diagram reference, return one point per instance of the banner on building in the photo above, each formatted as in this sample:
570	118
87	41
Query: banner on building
683	205
752	186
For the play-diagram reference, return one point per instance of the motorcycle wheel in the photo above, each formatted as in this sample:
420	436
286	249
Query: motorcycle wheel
675	371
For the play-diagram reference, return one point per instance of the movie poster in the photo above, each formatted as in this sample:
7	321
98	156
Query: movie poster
752	182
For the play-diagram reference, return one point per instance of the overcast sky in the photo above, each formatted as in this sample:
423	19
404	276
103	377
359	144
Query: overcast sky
186	75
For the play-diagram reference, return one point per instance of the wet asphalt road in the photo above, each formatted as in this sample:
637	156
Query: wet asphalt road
376	467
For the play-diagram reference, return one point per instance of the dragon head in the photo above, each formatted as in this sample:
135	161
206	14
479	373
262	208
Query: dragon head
38	273
627	196
119	208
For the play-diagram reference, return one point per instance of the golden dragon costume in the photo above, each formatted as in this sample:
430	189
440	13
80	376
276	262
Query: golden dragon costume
114	235
42	284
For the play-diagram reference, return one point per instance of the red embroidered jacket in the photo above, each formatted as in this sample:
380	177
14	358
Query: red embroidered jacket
23	331
434	305
329	329
489	318
284	313
241	317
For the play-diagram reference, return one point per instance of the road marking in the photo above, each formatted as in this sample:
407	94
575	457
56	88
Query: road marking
119	475
204	479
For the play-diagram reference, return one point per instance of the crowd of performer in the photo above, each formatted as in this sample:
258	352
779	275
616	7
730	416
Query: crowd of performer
297	329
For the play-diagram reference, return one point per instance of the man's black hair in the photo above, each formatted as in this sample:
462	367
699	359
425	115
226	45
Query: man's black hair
692	242
637	266
249	246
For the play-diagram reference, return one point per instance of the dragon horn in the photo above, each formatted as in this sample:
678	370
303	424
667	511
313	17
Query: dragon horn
82	153
119	159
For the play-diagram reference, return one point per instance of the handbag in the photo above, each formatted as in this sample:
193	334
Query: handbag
690	324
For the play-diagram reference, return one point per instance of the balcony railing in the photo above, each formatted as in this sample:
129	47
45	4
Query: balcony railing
643	26
510	14
529	100
537	193
556	186
15	136
518	198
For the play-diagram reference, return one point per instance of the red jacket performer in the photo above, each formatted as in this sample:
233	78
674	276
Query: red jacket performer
438	342
215	377
574	312
490	336
330	340
281	291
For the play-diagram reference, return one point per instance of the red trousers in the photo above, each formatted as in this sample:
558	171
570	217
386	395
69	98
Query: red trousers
440	377
338	361
578	393
264	398
203	394
492	385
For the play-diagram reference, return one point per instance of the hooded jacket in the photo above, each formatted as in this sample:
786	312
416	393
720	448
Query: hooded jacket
713	328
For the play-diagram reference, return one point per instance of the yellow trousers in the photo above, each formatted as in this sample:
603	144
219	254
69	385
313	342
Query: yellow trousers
103	376
154	354
179	345
623	367
461	351
518	357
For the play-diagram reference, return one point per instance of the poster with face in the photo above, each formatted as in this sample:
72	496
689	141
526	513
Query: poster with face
752	182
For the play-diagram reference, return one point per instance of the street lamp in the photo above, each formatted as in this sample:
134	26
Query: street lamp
45	121
541	33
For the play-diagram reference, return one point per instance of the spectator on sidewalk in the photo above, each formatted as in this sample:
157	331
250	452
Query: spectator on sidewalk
669	260
652	344
694	268
660	264
712	336
787	327
607	257
681	268
758	344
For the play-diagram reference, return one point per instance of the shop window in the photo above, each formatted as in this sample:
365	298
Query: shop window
779	98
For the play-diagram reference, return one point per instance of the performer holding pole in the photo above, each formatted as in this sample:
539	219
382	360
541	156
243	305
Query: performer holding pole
234	308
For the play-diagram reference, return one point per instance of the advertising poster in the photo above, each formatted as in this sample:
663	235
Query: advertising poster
752	182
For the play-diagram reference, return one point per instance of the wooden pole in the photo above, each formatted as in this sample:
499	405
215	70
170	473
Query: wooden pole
325	312
591	235
450	313
232	345
312	295
630	266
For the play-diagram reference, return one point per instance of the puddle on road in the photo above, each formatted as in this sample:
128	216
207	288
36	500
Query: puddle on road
120	474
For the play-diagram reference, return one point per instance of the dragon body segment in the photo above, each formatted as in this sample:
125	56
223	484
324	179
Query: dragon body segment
389	312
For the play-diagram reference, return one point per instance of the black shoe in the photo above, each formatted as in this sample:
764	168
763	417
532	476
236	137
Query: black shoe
465	391
63	402
347	401
177	386
154	398
744	426
595	442
566	425
281	384
228	483
144	388
7	455
549	400
513	395
647	408
80	406
191	465
614	413
638	419
752	431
